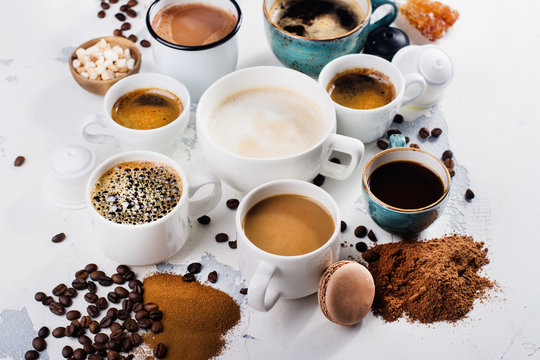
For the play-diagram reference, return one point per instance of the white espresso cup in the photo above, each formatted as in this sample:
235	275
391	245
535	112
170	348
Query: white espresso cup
155	241
160	139
195	66
271	276
245	173
370	124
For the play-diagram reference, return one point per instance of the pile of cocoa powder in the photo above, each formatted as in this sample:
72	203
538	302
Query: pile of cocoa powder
428	281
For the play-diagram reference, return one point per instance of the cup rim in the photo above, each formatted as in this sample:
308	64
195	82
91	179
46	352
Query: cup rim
395	208
399	92
140	156
331	125
239	221
186	105
357	28
223	40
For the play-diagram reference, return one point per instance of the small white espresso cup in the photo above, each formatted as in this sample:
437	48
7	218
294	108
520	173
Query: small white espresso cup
195	66
161	139
244	173
370	124
156	241
273	276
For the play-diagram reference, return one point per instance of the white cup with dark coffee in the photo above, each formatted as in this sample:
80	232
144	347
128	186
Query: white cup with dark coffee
141	112
267	123
140	206
194	40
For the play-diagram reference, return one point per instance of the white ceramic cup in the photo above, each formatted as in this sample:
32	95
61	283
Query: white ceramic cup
156	241
245	173
161	139
195	66
370	124
273	276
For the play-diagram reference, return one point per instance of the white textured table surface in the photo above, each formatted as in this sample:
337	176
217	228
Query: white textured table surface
491	120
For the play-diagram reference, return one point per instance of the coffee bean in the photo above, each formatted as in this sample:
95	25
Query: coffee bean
91	297
212	277
48	300
150	307
449	163
222	237
58	238
59	289
132	3
134	282
113	355
136	339
436	132
57	308
129	276
70	330
112	312
243	291
232	204
81	274
423	133
65	300
447	154
116	326
79	284
145	323
361	246
131	13
89	349
382	144
131	325
44	332
59	332
117	335
90	268
118	279
85	321
101	338
195	267
360	231
157	327
392	132
233	244
204	220
160	351
145	43
120	16
319	180
452	172
469	195
102	303
105	322
122	269
123	314
83	339
371	256
371	236
414	146
113	297
105	281
94	327
40	296
71	292
39	344
104	5
141	315
79	354
19	160
127	305
398	118
114	345
125	26
93	311
101	14
122	292
134	297
189	277
31	355
138	307
343	226
113	1
73	314
123	8
157	315
67	351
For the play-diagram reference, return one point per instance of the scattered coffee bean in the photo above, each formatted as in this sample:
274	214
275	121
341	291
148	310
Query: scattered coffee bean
118	279
447	154
157	315
120	16
125	26
31	355
436	132
138	307
59	332
67	351
392	132
132	3
371	236
157	327
47	301
71	292
104	5
132	38
130	275
449	163
85	321
58	238
90	349
102	303
70	330
134	296
232	204
145	323
91	297
44	332
145	43
335	160
65	301
105	281
123	8
122	292
131	13
117	335
101	338
213	277
101	14
469	195
319	180
222	237
204	220
93	311
105	322
160	351
343	226
371	256
59	289
127	306
141	315
150	307
194	268
423	133
189	277
113	355
398	118
136	339
79	284
134	282
40	296
92	287
81	274
360	231
382	144
233	244
414	146
452	172
83	339
243	291
73	314
39	344
131	325
113	1
361	246
57	308
90	268
79	354
138	289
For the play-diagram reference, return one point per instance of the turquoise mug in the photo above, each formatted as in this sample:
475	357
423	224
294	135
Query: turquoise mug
405	222
310	55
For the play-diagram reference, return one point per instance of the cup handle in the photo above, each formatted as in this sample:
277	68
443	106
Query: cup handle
95	138
260	297
202	206
412	79
388	18
347	145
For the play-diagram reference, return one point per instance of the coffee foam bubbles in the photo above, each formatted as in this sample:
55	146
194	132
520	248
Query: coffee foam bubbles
267	123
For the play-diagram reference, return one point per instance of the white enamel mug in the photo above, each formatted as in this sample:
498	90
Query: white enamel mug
161	139
245	173
271	276
370	124
156	241
195	66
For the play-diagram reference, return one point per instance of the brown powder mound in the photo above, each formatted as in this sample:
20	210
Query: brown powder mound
195	317
428	281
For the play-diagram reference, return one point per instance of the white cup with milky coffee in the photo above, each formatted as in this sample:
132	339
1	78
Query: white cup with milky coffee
140	205
267	123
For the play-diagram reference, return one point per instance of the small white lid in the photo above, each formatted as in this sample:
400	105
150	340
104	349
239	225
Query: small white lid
435	65
71	160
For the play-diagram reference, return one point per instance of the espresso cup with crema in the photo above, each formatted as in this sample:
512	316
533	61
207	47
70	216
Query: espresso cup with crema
267	123
103	129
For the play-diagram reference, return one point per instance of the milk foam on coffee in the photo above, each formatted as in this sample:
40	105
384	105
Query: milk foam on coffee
267	123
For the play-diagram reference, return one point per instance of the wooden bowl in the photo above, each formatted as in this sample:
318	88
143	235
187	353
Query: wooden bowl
100	87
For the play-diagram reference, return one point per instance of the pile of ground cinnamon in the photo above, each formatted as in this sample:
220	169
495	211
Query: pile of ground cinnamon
195	316
428	281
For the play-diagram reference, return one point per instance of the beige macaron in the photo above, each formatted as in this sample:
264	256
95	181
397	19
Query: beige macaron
346	292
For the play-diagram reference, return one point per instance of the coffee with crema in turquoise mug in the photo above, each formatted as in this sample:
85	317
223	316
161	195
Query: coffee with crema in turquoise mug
310	54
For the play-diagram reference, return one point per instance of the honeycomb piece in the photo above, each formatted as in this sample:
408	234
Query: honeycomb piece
431	18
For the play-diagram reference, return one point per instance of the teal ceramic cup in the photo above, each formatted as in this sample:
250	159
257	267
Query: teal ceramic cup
310	55
405	222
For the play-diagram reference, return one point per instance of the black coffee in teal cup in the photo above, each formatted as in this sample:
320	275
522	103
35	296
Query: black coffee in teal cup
405	189
305	35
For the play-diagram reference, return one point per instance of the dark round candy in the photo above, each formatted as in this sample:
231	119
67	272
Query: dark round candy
385	42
